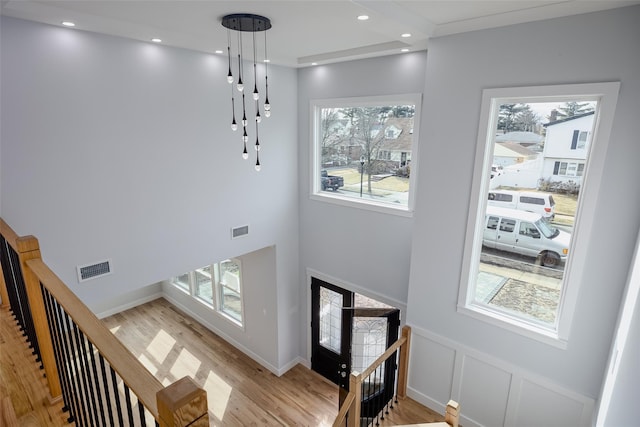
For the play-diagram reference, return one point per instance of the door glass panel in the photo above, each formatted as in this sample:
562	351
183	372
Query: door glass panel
369	341
330	319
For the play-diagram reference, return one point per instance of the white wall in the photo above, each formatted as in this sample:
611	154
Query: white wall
113	148
462	350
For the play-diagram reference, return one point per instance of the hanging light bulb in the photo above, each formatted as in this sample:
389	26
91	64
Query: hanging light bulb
230	75
246	22
234	125
240	85
258	167
244	113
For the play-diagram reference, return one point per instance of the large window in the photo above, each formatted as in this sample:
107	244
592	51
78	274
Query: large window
365	151
218	285
523	266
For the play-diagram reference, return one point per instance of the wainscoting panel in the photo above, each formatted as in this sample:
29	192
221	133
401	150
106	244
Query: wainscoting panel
491	392
431	375
485	390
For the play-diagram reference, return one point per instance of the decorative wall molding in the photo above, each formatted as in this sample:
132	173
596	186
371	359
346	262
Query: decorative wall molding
491	392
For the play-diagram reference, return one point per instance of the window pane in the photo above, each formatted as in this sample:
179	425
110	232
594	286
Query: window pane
229	289
330	319
364	152
369	341
182	281
203	284
525	244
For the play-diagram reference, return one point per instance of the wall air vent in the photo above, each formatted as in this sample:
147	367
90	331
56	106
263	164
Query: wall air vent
91	271
239	231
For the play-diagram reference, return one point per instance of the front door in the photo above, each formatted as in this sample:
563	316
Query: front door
349	332
331	333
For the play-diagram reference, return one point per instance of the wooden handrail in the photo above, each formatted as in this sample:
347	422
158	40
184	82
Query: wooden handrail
346	406
383	357
180	404
137	377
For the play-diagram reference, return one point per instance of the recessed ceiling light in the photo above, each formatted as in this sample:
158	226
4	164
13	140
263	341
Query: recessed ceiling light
218	51
266	60
363	17
156	40
314	63
68	24
404	50
405	35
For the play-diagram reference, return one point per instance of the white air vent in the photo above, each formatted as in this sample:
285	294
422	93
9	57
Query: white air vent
91	271
239	231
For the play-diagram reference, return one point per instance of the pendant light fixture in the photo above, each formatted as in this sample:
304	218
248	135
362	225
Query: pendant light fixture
253	24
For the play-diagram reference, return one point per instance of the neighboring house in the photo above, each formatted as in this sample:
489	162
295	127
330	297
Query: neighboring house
566	148
511	153
394	150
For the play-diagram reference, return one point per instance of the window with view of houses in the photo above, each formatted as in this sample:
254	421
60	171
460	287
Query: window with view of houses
522	225
364	151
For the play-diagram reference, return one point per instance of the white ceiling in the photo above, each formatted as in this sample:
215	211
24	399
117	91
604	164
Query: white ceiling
304	31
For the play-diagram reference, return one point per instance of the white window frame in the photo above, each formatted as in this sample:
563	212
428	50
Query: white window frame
216	304
316	151
219	289
606	94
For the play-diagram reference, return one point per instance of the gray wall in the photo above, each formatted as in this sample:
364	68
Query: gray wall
363	248
119	149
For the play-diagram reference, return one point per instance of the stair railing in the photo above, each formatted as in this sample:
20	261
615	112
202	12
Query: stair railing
98	379
350	412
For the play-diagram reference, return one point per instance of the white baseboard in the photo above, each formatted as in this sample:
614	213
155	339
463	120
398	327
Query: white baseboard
129	304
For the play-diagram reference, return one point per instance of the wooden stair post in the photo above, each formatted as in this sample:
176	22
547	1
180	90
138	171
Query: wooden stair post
182	404
403	368
28	248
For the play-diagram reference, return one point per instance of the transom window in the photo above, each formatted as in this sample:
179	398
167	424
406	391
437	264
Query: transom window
522	268
364	151
218	285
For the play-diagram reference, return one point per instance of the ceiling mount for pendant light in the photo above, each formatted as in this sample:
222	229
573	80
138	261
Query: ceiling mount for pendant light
250	23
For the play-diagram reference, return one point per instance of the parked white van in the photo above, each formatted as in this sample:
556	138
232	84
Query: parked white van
529	201
525	233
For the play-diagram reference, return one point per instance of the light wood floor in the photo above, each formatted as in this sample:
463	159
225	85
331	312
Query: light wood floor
171	345
22	379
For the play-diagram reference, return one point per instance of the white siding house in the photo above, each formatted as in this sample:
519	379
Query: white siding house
566	148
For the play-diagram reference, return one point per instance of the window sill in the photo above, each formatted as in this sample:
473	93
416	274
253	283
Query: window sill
521	327
369	205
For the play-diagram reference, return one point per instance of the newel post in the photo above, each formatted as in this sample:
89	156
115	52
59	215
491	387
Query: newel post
355	386
403	369
182	404
29	248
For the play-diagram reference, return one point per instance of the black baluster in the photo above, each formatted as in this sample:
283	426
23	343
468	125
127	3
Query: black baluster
81	416
143	421
127	397
57	350
116	393
106	389
83	371
97	382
